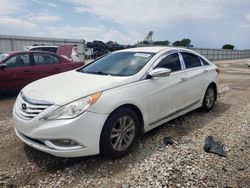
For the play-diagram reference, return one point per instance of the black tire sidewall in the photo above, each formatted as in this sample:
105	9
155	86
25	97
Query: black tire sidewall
105	144
205	108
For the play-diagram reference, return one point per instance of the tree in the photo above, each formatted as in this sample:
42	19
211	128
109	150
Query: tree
228	46
162	43
183	42
177	43
112	46
145	42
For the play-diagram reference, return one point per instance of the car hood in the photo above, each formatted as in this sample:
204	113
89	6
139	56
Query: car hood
63	88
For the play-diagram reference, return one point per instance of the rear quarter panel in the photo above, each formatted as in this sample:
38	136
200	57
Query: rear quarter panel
211	76
67	65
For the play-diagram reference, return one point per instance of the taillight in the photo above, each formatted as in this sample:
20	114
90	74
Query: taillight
217	70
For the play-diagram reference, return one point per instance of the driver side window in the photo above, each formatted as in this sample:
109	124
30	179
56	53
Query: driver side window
171	62
18	61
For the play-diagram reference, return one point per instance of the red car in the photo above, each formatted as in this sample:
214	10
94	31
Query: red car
18	69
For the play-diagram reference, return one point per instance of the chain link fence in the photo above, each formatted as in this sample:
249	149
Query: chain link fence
222	54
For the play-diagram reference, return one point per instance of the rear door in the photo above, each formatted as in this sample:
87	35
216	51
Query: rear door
18	72
195	75
46	64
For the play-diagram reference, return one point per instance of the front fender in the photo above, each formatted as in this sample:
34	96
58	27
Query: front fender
134	94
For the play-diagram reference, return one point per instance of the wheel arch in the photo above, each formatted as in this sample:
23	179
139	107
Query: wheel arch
136	110
138	113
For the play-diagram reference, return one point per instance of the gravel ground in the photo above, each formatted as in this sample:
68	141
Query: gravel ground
151	162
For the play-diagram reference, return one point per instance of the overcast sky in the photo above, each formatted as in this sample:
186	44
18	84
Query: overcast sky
208	23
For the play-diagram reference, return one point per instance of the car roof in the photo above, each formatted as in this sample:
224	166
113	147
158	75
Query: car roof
11	53
40	46
151	49
28	52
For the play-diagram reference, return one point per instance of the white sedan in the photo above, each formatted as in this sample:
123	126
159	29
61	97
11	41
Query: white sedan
104	106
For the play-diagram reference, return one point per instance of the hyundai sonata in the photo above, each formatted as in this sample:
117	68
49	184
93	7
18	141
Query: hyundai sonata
104	106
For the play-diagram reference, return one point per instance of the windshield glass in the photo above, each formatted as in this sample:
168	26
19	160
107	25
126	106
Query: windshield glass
3	56
118	64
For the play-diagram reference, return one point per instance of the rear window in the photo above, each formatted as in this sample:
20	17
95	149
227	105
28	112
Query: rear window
36	49
49	49
204	61
191	60
46	49
45	59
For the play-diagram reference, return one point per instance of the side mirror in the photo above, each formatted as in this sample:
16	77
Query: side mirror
3	66
159	72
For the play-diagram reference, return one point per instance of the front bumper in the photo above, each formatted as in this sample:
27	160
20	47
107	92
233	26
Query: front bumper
85	130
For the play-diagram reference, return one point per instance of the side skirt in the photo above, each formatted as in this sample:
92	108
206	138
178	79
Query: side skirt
173	115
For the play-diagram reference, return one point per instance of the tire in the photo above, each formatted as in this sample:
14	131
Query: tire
209	99
119	134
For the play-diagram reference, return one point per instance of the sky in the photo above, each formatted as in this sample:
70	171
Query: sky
208	23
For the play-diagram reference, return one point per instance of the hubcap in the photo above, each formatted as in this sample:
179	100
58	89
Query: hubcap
210	97
122	133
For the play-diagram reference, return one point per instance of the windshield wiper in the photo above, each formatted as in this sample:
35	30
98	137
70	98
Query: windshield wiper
98	72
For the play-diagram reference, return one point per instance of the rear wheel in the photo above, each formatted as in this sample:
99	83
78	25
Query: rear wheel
120	133
209	99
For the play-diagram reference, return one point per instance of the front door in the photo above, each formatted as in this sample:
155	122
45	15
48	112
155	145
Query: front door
17	74
167	95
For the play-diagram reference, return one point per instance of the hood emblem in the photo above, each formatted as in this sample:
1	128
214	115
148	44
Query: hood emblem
24	106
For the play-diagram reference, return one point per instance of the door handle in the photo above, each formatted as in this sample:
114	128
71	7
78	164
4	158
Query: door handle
183	79
26	71
205	70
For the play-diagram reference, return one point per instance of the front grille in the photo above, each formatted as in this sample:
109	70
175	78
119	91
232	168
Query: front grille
29	108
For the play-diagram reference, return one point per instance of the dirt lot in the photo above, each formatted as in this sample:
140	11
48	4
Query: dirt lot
151	163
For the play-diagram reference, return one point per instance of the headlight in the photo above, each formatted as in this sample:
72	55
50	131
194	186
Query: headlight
74	108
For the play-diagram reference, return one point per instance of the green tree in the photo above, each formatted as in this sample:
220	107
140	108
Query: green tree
177	43
145	42
183	42
228	46
162	43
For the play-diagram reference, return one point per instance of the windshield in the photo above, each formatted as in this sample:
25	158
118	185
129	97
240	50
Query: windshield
3	56
118	64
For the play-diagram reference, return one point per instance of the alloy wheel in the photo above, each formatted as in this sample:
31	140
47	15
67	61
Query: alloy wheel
123	133
210	97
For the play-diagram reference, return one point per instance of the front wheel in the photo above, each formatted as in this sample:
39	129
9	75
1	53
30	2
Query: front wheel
209	99
120	133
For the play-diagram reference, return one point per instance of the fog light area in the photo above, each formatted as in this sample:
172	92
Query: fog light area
62	144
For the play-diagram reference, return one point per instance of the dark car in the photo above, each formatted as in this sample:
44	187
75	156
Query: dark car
18	69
